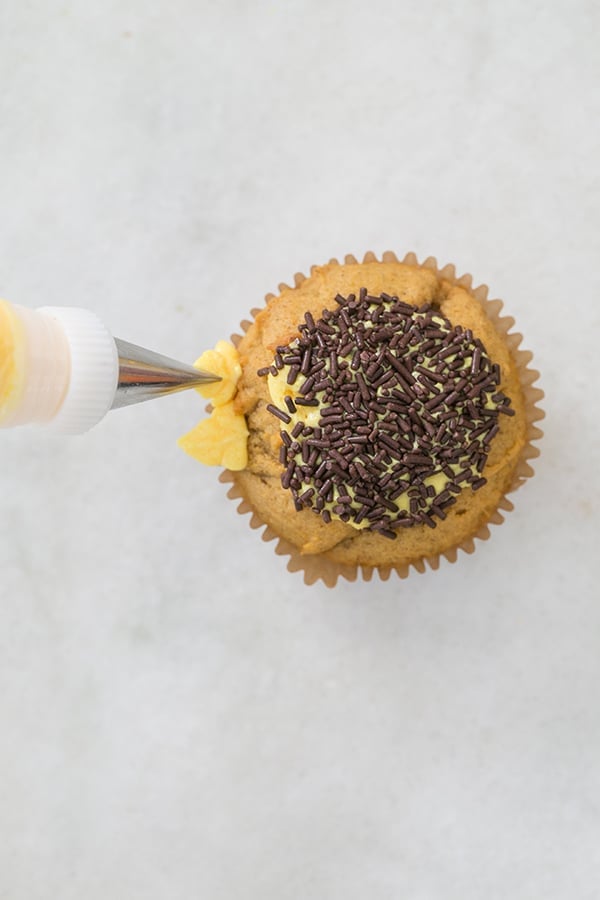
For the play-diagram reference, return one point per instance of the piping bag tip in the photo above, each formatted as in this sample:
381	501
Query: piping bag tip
145	374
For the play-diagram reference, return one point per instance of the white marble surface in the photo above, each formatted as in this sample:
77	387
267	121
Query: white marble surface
180	717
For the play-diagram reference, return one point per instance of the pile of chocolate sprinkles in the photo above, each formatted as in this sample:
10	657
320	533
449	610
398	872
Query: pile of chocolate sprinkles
403	395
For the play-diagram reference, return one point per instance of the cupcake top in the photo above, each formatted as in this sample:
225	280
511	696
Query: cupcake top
377	416
386	412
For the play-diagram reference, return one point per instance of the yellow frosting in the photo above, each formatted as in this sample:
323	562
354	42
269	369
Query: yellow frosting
279	390
11	360
220	440
223	361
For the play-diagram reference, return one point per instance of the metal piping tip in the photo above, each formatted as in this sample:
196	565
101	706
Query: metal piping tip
144	374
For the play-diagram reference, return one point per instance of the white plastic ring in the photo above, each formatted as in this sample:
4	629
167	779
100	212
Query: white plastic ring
94	370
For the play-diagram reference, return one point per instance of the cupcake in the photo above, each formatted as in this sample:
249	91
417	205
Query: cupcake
372	418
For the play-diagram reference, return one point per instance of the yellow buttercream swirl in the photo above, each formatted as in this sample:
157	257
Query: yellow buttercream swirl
220	440
223	361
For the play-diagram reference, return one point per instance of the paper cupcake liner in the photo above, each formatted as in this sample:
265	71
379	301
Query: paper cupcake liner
317	567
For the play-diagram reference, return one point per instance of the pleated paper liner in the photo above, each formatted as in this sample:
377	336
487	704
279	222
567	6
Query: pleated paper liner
319	568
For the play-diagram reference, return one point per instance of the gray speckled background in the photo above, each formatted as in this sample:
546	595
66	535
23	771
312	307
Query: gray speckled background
179	716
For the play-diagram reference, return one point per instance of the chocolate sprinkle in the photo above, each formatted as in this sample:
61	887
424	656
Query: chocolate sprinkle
408	406
279	413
